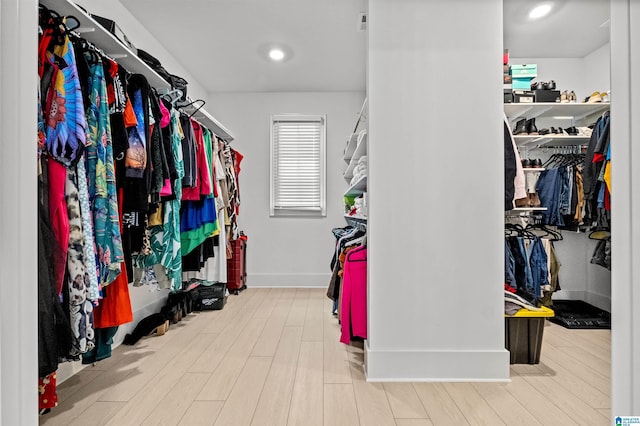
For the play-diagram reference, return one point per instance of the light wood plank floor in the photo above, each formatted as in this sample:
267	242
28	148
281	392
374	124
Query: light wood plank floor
272	357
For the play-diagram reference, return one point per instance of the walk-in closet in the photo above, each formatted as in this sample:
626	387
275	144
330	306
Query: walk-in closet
327	212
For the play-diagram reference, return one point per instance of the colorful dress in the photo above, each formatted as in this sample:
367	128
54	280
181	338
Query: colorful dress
101	177
65	122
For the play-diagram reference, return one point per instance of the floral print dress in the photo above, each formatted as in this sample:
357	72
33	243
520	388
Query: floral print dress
101	177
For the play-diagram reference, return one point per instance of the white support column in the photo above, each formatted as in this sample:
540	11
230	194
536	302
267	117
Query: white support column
436	173
18	218
625	196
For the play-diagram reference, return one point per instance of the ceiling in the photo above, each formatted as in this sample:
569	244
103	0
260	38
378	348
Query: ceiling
571	30
221	42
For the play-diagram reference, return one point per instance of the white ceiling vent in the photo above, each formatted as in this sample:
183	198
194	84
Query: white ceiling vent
362	22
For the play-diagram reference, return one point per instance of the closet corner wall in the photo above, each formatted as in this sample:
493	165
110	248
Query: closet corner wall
435	312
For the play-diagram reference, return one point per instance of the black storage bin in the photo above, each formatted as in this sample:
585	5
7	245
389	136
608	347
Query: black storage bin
209	297
523	339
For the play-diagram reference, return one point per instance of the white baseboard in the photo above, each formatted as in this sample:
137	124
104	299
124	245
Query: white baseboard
598	300
284	280
437	366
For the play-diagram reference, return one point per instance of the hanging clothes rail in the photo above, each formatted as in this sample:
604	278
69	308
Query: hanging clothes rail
95	33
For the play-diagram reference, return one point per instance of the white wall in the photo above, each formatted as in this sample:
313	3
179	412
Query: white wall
435	217
18	215
579	279
625	326
281	251
582	75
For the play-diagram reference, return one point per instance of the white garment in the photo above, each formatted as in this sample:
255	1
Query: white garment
519	181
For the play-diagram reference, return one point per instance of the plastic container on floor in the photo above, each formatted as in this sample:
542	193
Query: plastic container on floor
523	335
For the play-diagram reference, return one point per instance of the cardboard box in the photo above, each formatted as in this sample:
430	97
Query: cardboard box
525	70
547	95
523	97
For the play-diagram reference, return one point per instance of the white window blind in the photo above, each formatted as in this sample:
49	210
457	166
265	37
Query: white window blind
298	165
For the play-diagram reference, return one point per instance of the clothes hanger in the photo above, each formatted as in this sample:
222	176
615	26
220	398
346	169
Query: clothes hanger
169	96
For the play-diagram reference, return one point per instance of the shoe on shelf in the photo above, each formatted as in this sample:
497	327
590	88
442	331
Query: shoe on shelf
572	131
536	85
521	127
595	98
531	127
605	96
549	85
534	200
523	202
525	163
572	97
543	132
555	131
537	163
564	97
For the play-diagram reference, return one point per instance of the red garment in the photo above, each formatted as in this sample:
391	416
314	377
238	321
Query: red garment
353	310
47	396
236	166
115	308
203	185
59	217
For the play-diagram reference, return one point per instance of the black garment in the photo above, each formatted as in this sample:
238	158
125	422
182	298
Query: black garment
509	169
196	259
54	337
188	153
138	188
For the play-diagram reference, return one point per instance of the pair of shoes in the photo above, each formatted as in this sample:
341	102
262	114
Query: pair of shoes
555	131
595	98
539	85
525	126
160	330
572	131
531	163
523	202
568	97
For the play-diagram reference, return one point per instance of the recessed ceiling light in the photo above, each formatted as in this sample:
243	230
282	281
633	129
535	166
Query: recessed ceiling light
540	11
276	54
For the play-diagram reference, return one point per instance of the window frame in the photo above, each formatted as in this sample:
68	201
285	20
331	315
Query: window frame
320	211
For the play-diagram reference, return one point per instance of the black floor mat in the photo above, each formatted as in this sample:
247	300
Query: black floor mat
579	314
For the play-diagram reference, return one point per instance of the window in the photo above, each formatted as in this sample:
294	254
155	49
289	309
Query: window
298	165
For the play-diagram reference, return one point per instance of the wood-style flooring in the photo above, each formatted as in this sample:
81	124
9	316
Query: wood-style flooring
272	357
